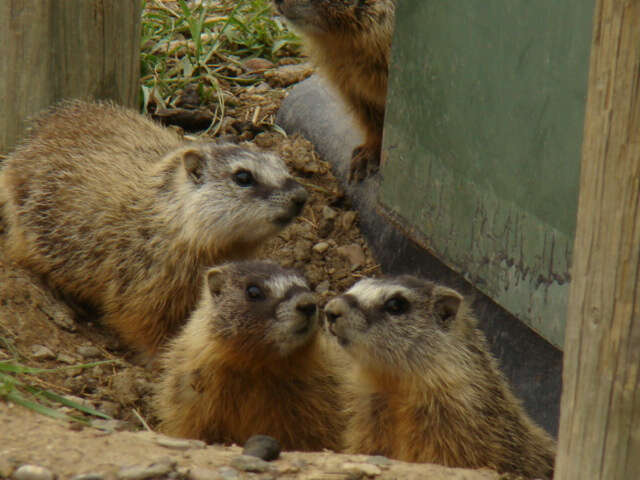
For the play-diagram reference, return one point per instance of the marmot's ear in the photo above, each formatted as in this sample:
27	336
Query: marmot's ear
446	303
193	162
215	280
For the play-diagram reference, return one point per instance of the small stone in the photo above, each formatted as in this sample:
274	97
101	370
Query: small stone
247	463
68	359
361	469
378	460
40	352
179	443
321	247
33	472
257	64
323	287
262	446
89	476
354	254
288	74
138	472
89	351
348	220
329	213
228	473
61	316
199	473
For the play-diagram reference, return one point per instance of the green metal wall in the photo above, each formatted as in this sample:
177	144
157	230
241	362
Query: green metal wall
483	134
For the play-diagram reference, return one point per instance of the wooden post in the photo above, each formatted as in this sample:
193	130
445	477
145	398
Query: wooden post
56	49
600	411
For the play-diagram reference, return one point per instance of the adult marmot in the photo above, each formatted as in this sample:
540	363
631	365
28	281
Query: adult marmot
119	213
350	42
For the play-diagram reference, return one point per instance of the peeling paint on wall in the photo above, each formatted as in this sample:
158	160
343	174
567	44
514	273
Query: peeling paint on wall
482	144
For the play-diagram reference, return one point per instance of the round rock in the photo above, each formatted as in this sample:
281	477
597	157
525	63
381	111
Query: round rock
32	472
40	352
262	446
89	351
321	247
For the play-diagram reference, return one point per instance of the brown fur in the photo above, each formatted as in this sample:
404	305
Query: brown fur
425	387
350	42
234	372
120	214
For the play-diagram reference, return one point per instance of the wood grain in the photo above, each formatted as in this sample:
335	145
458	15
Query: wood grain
52	50
600	411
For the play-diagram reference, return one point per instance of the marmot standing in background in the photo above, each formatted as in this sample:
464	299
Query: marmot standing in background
249	361
350	42
425	387
120	214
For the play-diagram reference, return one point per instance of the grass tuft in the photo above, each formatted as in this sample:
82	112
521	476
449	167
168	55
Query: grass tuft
203	44
46	402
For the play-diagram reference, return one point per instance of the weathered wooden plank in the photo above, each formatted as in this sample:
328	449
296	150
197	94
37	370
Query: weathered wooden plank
53	50
600	412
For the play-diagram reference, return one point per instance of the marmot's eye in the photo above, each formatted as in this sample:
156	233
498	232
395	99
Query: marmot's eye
254	293
244	178
396	306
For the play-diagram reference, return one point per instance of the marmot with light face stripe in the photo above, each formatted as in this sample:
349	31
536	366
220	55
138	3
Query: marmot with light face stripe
249	361
120	214
426	388
350	41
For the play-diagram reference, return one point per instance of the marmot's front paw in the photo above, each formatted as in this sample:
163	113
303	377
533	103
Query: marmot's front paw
365	160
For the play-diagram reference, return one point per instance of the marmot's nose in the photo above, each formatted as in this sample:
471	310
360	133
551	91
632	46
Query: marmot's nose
334	310
307	309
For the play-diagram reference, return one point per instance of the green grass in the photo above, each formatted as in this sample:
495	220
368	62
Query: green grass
205	45
17	386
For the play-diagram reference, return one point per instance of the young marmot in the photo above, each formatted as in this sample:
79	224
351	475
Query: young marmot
120	214
425	387
350	42
249	361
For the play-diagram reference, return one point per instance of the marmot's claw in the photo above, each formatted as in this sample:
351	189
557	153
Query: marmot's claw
364	162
